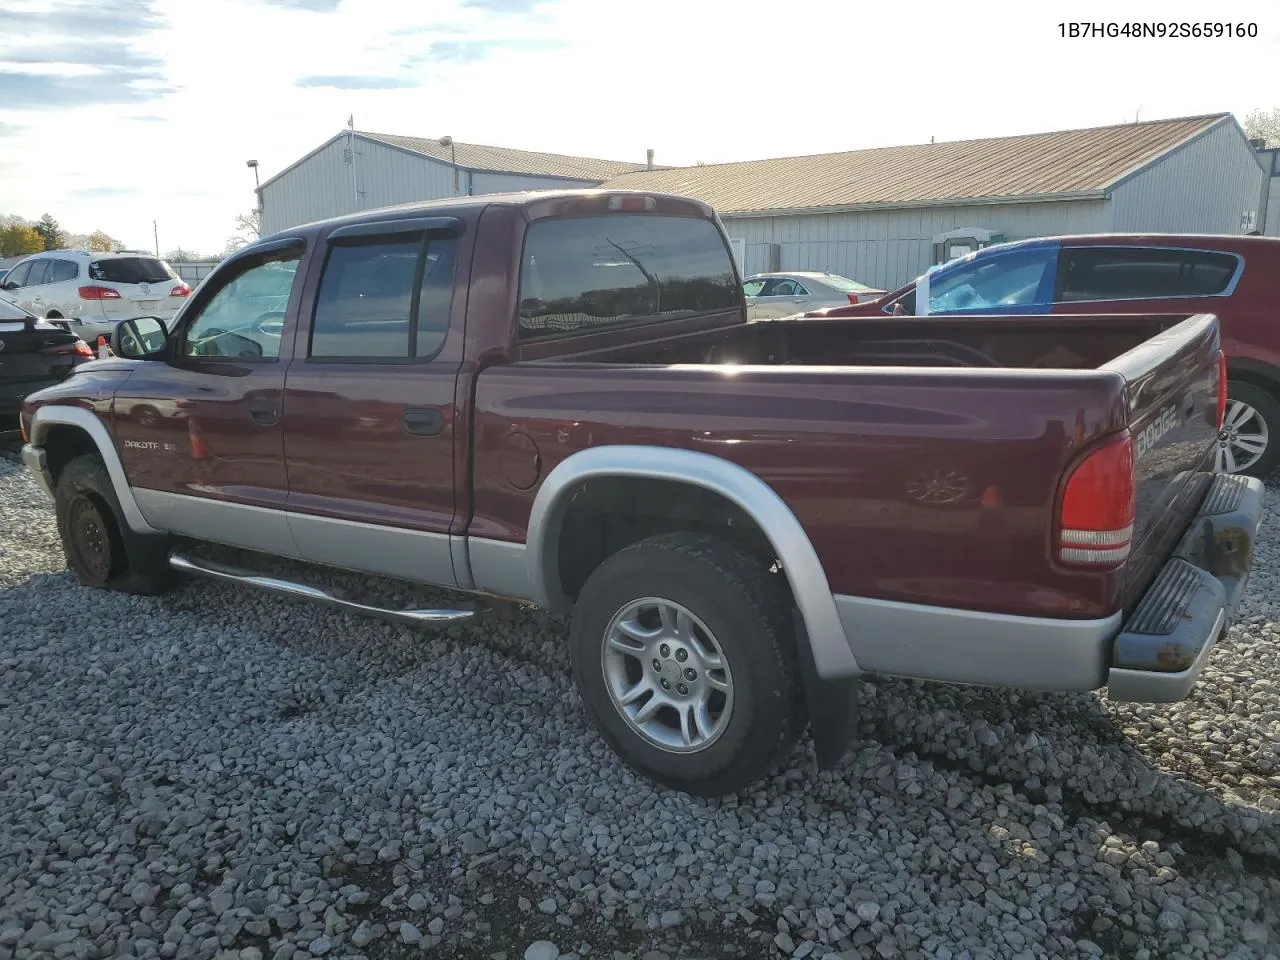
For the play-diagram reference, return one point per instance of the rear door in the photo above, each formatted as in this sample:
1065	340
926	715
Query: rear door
369	422
62	288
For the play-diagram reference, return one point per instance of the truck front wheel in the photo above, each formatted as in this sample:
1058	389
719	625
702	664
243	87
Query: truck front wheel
100	548
685	658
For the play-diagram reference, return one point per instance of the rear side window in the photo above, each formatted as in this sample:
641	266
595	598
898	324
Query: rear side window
594	272
371	294
1138	273
131	270
62	270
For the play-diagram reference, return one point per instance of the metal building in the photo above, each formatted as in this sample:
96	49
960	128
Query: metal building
359	171
1270	158
882	216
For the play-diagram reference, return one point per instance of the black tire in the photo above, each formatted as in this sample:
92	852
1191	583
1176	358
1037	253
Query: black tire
1267	406
747	610
101	550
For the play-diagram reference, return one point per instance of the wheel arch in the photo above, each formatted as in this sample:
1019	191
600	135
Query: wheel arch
63	432
1256	372
708	474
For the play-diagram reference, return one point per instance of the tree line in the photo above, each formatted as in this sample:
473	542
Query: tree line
19	237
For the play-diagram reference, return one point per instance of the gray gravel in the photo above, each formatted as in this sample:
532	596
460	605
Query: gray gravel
234	775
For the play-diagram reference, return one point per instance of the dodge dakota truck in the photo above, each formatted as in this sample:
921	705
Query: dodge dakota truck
556	398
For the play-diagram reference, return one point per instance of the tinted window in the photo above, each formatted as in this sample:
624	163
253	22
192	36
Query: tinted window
62	270
601	271
131	270
244	317
19	274
39	273
364	308
1130	273
1003	280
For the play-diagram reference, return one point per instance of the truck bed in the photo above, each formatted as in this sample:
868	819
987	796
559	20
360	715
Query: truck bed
933	448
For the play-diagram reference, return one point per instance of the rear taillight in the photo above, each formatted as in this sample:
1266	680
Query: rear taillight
99	293
1095	526
1222	390
77	349
181	290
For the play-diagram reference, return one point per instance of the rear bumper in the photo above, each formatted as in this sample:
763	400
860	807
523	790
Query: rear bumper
1164	645
1153	656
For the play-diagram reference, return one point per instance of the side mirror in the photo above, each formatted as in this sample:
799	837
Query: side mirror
142	338
8	285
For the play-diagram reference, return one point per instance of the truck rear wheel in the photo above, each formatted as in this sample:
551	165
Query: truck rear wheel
101	550
684	655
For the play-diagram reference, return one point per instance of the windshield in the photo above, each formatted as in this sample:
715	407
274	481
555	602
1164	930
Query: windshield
131	270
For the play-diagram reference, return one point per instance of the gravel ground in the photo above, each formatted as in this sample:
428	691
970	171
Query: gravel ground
235	775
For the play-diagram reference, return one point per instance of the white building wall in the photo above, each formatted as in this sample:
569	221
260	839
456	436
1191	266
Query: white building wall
1273	208
323	185
886	248
1202	187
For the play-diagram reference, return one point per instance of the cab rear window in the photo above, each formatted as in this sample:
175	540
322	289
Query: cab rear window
596	272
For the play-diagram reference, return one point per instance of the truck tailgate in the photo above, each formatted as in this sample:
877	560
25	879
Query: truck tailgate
1173	393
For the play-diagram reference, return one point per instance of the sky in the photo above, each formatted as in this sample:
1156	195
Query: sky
118	113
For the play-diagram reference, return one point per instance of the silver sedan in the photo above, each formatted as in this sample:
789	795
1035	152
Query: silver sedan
782	294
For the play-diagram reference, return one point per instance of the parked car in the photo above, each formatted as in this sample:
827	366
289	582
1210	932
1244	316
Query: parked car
33	354
557	398
1235	277
92	292
783	294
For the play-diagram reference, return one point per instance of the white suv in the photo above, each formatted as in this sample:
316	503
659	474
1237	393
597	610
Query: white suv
93	292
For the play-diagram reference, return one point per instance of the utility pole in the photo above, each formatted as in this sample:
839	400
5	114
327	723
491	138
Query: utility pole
155	230
351	143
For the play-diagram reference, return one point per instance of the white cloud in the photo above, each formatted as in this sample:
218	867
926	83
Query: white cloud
695	81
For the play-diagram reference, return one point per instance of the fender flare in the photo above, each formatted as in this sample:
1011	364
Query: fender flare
89	423
832	655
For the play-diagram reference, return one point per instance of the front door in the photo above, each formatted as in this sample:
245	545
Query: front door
369	405
200	434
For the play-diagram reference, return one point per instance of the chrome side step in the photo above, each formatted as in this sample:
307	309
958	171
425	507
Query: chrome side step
222	571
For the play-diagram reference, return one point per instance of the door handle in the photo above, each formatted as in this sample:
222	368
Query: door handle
423	421
263	410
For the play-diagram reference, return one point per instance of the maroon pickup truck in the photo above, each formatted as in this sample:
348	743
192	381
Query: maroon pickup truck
557	398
